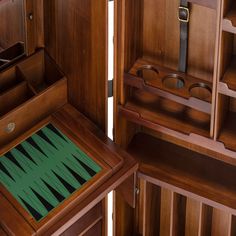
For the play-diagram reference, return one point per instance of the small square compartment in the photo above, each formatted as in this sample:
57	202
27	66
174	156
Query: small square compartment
227	121
40	71
15	97
228	63
11	54
10	78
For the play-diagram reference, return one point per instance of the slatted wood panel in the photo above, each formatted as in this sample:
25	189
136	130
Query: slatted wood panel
166	213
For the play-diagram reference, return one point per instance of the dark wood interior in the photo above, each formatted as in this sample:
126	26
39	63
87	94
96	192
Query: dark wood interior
172	164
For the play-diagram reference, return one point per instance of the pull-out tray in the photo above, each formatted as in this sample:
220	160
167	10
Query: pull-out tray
54	166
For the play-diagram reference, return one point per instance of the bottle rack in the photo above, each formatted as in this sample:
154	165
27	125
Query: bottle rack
198	106
154	91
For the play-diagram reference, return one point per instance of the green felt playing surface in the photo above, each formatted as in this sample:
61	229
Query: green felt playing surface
44	170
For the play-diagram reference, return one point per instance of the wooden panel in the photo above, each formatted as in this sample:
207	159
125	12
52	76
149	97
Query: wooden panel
2	232
193	218
152	206
124	216
221	223
128	190
83	59
88	220
12	23
11	221
95	230
179	215
166	215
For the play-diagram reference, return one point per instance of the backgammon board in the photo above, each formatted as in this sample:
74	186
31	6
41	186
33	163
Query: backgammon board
44	170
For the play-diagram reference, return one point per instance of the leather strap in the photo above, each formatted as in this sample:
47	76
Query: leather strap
184	24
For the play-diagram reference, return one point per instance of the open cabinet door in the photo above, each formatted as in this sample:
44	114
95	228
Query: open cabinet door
76	37
56	163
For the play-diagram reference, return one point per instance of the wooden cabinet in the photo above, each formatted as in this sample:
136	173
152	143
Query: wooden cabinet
172	163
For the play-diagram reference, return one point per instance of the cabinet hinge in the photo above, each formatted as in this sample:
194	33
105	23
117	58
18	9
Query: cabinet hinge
110	88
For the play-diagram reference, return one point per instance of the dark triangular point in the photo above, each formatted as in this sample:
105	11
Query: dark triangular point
32	211
35	145
76	176
46	204
56	131
43	136
87	168
13	160
70	188
55	193
21	149
3	169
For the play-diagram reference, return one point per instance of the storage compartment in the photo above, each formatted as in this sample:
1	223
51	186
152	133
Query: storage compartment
11	54
41	71
226	119
185	169
15	97
228	64
168	97
10	78
229	16
30	91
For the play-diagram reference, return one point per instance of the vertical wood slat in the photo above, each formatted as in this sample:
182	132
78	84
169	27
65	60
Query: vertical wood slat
221	223
179	216
152	204
193	217
166	214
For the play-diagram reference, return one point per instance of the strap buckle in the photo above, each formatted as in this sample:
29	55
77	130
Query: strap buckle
183	14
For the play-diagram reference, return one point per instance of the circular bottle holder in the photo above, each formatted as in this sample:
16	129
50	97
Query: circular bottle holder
201	91
173	81
147	72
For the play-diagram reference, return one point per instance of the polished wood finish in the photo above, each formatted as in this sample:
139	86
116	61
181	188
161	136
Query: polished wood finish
76	37
42	86
12	23
182	137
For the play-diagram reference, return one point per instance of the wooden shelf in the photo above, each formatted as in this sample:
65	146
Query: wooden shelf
228	132
229	22
185	169
228	84
152	109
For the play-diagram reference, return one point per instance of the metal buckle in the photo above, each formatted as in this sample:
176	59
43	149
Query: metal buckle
187	13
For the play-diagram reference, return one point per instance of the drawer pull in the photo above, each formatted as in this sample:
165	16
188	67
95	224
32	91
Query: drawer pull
10	127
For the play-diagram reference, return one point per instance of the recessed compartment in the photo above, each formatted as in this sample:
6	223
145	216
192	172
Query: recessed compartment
227	121
10	78
15	97
228	64
40	72
229	17
180	100
30	91
185	169
11	54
